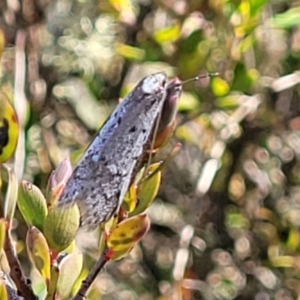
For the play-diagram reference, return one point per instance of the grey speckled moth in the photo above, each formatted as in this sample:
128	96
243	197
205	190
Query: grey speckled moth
102	177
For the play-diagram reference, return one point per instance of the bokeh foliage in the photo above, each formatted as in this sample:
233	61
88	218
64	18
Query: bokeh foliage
225	224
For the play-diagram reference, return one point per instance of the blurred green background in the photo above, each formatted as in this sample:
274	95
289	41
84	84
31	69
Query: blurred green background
225	224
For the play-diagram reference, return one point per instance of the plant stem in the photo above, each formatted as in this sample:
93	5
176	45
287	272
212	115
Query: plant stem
16	273
85	285
53	283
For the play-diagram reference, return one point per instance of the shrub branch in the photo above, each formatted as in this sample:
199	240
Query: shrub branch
16	273
85	285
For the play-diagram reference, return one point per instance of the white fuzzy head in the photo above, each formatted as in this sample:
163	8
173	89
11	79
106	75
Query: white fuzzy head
154	83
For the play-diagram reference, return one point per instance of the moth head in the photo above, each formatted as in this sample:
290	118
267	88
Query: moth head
154	83
173	92
174	88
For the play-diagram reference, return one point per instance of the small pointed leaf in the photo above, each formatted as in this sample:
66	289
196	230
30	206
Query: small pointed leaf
219	86
188	102
130	199
2	234
53	282
39	252
111	223
71	248
60	227
148	189
287	19
167	34
126	234
32	204
3	292
129	52
57	180
69	270
11	194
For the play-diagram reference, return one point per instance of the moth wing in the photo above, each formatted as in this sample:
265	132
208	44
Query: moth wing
100	203
96	190
83	178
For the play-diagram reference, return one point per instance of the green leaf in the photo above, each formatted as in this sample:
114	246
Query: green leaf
130	199
2	234
126	234
123	6
53	282
148	189
129	52
219	86
3	292
243	78
69	270
38	252
188	102
228	102
60	227
256	6
11	193
32	204
288	19
167	34
190	44
236	220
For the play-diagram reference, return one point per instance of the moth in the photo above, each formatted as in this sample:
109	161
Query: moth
101	179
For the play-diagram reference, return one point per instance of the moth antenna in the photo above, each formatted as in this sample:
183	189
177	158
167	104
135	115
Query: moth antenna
200	76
